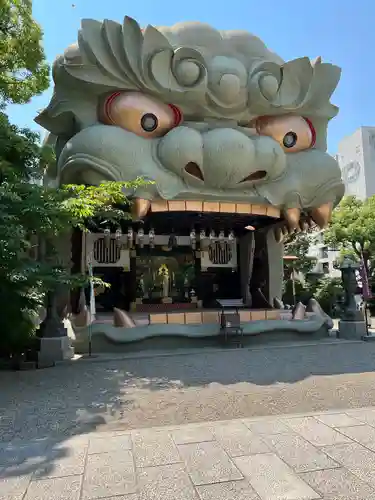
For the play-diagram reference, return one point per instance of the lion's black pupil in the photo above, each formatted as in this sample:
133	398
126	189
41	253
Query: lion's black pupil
149	122
290	139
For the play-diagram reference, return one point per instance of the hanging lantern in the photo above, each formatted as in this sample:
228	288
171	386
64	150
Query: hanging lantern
202	239
222	238
118	235
231	237
140	237
107	236
172	242
212	238
151	238
193	239
130	237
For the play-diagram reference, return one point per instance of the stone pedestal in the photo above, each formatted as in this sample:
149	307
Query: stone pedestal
352	330
54	349
167	300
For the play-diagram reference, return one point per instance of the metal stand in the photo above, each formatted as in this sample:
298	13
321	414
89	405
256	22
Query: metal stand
90	339
366	318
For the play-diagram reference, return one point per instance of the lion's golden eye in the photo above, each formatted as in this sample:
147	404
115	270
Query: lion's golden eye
143	115
293	133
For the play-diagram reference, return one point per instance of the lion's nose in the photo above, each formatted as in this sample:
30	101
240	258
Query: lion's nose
231	158
255	176
194	170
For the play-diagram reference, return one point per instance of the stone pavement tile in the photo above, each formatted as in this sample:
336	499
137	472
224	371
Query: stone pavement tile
13	487
272	479
166	482
66	458
356	458
20	452
274	426
152	448
208	463
61	488
316	432
363	434
192	434
106	434
109	474
338	484
366	415
132	496
338	420
111	443
232	490
298	453
238	440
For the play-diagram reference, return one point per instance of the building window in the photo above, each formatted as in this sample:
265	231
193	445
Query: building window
325	267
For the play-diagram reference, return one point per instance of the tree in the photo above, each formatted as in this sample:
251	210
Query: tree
352	228
23	70
29	210
298	245
328	292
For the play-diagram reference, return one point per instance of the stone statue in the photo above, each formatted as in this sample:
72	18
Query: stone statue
122	89
218	122
164	273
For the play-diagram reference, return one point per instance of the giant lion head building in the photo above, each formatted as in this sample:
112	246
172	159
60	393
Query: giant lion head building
231	141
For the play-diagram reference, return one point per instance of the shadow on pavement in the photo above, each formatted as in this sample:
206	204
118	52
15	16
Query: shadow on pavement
50	407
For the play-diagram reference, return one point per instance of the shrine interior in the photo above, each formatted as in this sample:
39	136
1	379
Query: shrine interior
167	270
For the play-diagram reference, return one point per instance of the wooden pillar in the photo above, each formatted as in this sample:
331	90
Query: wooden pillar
76	259
133	277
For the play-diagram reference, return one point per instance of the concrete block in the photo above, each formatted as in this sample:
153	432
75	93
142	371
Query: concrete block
207	463
238	490
272	478
237	439
55	349
165	482
109	474
338	420
352	330
316	432
109	443
357	459
154	448
62	488
299	454
340	484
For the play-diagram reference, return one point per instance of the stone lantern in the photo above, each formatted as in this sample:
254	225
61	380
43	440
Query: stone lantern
352	323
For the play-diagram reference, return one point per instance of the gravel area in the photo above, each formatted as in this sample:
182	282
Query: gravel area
168	390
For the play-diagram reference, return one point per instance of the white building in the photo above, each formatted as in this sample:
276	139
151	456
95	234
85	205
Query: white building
356	158
324	256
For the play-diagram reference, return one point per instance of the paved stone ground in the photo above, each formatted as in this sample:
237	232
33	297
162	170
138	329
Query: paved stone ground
198	387
84	428
329	456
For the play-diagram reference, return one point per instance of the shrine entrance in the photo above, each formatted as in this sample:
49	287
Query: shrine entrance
166	279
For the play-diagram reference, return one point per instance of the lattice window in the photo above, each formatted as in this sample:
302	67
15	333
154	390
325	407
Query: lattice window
220	253
104	254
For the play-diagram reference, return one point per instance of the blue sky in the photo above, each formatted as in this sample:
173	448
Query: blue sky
341	31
